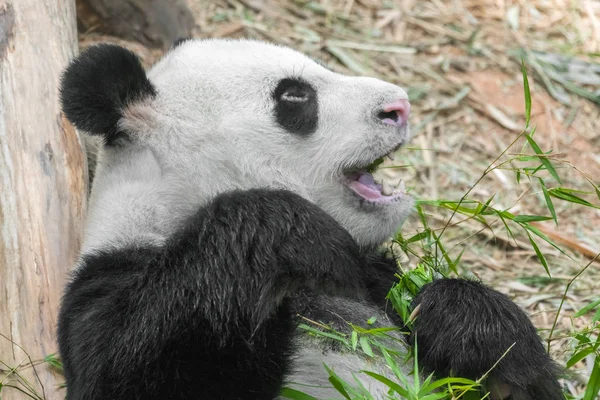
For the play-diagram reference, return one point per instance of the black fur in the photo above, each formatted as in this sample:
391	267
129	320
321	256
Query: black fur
211	314
464	327
206	316
180	41
99	84
296	106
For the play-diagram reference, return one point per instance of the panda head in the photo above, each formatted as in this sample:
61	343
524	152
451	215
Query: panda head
219	115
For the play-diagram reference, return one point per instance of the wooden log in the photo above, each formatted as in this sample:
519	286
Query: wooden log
43	180
154	23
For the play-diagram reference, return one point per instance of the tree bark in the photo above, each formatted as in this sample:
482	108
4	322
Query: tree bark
154	23
43	181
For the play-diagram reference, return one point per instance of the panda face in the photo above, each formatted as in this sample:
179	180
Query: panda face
237	114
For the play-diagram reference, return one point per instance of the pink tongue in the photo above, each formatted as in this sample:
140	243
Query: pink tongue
367	180
366	186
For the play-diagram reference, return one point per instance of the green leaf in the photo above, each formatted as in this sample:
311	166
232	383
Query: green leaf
325	334
457	259
593	386
538	253
293	394
445	255
419	236
548	201
597	192
53	361
416	369
446	381
366	347
486	209
337	383
422	216
506	226
543	160
582	338
530	218
596	317
434	396
389	383
527	94
371	320
567	195
587	308
580	355
354	340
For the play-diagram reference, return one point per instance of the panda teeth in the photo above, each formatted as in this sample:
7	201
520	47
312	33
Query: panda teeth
389	178
400	189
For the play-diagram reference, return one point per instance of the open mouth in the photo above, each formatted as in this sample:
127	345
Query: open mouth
380	182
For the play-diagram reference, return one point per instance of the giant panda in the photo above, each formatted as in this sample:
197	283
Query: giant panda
233	198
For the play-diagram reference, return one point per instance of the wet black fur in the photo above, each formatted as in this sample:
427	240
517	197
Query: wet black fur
97	86
210	315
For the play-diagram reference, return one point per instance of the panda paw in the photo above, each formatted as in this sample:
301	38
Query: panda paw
465	329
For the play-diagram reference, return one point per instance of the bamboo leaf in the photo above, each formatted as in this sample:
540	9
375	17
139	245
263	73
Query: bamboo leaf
549	203
293	394
337	383
543	160
538	253
530	218
506	226
434	396
419	236
527	93
325	334
593	386
389	383
596	317
566	195
446	381
366	347
580	355
587	308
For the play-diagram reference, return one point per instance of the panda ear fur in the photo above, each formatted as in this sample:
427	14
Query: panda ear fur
99	84
180	41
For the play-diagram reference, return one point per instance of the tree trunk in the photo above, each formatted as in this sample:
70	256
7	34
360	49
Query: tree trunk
43	181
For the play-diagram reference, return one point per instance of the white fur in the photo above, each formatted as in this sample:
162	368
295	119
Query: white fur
308	373
211	129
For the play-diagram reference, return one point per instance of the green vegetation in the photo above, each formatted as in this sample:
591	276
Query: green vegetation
434	257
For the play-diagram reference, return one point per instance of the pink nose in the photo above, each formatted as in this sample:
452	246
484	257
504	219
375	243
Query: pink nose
395	113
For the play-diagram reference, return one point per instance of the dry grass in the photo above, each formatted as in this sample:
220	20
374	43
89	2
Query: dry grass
460	61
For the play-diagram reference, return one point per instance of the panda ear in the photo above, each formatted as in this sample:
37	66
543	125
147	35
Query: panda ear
99	84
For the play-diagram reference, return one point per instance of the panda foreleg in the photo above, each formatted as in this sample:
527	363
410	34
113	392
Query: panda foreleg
463	328
205	317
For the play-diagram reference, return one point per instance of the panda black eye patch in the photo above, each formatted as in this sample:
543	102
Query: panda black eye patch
296	106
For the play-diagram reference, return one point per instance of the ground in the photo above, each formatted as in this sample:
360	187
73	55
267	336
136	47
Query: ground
461	62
